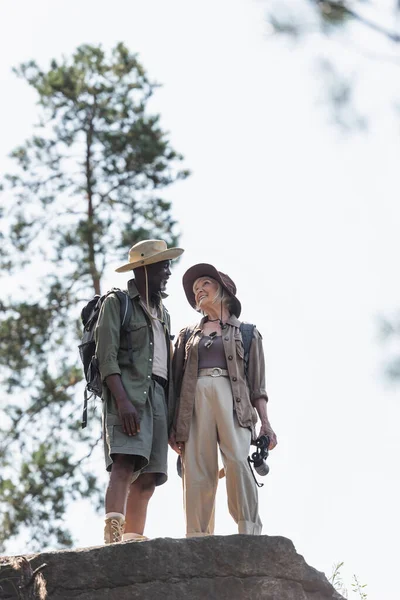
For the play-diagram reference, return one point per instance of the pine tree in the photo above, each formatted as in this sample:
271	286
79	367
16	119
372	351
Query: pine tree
85	188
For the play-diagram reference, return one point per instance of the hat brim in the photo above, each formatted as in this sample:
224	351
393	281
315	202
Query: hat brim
168	254
205	270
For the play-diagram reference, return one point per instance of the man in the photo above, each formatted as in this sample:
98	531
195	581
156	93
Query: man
137	396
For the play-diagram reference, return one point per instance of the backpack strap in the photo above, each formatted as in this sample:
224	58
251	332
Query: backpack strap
188	333
125	307
247	331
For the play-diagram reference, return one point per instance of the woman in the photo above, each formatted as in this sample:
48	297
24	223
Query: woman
217	404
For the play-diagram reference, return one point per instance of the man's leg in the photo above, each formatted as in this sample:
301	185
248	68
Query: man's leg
119	483
116	497
140	493
154	428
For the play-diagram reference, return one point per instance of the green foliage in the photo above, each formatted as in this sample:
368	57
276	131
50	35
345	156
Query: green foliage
327	20
390	335
333	13
337	582
359	588
333	25
86	187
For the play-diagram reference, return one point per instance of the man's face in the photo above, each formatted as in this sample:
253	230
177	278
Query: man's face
158	275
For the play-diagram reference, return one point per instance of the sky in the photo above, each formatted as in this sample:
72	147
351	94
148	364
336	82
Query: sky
304	218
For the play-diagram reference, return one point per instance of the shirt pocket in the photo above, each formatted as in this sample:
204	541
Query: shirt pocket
138	336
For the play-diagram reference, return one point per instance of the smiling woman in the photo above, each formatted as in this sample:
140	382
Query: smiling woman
218	398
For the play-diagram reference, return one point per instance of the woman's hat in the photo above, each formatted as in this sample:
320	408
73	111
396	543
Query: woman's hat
205	270
149	252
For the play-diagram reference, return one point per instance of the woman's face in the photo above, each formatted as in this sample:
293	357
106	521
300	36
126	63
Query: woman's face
205	290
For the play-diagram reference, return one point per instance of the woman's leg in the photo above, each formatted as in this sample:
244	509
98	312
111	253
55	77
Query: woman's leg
234	442
200	464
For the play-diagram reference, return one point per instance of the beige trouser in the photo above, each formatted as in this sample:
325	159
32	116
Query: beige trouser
214	422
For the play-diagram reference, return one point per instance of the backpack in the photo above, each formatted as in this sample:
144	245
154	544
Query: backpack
87	347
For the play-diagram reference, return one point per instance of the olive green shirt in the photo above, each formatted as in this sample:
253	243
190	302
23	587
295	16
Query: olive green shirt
134	365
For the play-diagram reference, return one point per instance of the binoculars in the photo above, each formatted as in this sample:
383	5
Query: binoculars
259	457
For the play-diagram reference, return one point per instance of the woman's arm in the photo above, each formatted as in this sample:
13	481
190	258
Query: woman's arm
258	393
265	429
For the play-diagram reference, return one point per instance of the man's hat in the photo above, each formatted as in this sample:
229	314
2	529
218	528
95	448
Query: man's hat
149	252
205	270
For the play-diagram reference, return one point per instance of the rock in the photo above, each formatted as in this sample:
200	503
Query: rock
232	567
18	580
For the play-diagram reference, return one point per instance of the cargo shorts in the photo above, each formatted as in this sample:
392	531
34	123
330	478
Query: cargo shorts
149	446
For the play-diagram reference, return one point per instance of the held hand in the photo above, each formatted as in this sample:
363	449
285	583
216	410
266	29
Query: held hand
129	418
177	446
266	429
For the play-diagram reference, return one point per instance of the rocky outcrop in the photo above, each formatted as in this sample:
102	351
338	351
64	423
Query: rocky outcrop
220	567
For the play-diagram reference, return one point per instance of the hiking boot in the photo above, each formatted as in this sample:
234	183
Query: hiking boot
114	529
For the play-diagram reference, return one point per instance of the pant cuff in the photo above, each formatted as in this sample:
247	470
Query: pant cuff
249	528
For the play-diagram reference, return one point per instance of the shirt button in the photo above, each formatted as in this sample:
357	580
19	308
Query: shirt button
144	392
230	357
237	399
234	378
227	338
150	359
148	376
151	343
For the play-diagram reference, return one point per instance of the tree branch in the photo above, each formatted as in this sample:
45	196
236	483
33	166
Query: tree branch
345	10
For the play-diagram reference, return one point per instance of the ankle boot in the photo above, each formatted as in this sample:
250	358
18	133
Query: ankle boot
114	528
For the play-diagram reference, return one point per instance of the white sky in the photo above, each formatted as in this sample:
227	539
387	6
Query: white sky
305	221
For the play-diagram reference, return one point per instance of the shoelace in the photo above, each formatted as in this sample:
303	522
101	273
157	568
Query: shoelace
116	530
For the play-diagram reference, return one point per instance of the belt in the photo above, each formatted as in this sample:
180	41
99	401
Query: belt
163	382
213	372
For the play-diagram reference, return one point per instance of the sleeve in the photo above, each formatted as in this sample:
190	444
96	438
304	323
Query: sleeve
107	336
178	362
256	369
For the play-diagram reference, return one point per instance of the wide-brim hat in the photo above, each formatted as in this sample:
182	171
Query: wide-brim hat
149	252
206	270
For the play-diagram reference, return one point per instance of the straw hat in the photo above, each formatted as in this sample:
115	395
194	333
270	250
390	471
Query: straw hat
149	252
205	270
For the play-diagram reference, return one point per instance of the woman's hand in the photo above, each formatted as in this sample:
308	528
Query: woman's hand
266	429
177	446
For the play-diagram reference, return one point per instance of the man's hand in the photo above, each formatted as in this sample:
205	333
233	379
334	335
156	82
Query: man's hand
129	417
266	429
177	446
127	412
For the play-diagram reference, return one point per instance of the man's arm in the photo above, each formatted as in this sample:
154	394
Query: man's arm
127	412
107	335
